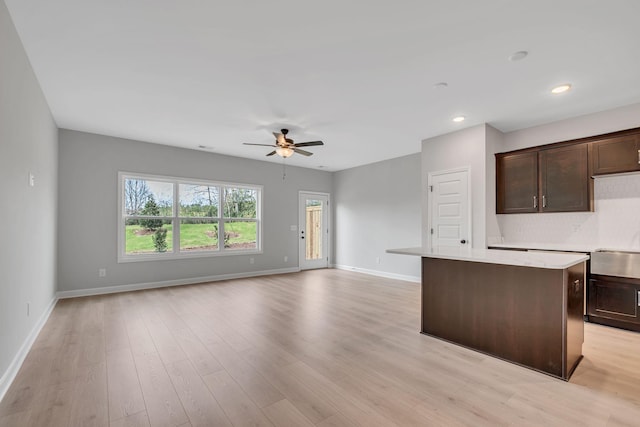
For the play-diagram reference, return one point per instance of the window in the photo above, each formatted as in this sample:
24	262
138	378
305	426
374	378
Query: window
168	218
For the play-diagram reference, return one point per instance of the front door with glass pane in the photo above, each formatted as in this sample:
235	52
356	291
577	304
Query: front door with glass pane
313	230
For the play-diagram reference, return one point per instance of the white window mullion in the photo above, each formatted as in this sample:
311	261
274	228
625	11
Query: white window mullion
176	219
221	221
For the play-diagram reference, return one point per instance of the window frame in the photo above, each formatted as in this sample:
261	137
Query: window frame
175	219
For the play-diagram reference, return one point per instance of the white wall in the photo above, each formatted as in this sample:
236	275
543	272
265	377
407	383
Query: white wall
464	148
377	207
88	216
615	221
28	143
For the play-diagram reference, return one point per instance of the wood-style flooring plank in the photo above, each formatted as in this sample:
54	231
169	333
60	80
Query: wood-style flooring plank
89	402
239	408
136	420
125	394
320	347
115	332
201	407
162	403
250	379
301	395
168	348
15	419
284	414
54	406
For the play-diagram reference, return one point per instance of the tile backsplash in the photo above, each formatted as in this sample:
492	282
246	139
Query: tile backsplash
614	224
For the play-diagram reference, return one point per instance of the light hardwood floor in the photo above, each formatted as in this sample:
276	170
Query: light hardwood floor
323	347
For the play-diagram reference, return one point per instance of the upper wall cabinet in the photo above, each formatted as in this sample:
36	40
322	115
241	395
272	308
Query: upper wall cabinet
564	179
616	155
544	180
517	182
557	177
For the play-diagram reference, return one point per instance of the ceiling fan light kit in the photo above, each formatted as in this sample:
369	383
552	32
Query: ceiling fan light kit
284	152
286	147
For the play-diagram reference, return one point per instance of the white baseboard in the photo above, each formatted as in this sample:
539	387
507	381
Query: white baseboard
166	283
406	278
16	363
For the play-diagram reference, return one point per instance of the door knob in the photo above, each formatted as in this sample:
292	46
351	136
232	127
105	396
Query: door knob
463	241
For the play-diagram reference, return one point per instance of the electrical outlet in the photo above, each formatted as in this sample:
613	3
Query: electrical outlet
286	258
102	272
32	180
251	260
377	260
28	309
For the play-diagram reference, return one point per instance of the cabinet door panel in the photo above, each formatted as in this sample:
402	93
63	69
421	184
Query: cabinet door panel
564	177
613	300
517	183
616	155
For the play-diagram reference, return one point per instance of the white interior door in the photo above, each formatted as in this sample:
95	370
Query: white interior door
313	230
449	208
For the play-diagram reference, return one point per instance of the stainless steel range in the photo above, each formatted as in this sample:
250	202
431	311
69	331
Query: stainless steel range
614	289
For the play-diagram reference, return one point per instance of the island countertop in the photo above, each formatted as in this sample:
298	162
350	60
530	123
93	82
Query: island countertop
557	261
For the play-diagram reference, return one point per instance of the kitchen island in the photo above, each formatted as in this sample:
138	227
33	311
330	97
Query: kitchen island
522	307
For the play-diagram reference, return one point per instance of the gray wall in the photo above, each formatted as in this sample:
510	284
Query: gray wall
377	207
88	216
464	148
28	143
494	143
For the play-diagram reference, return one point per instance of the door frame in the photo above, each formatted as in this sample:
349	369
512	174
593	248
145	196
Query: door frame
300	241
430	176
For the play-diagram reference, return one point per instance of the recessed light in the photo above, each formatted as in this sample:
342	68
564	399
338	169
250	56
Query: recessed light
561	89
441	85
518	56
458	119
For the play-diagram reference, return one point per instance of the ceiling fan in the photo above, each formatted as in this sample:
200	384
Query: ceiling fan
285	147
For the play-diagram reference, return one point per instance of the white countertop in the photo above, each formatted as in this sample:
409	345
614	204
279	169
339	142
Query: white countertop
570	247
497	256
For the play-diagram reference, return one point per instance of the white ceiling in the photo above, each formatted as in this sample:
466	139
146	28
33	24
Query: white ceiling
358	74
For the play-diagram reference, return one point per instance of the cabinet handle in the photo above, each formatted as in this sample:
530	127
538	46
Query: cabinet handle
576	286
544	201
638	298
535	201
639	157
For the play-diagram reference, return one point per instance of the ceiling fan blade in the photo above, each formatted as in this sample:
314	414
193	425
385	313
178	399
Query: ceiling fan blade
279	138
261	145
271	153
304	153
308	144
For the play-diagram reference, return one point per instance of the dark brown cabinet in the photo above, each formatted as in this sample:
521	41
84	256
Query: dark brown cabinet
544	180
517	183
613	301
528	315
616	155
564	179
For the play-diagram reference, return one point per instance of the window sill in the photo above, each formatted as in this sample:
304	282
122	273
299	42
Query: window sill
123	259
